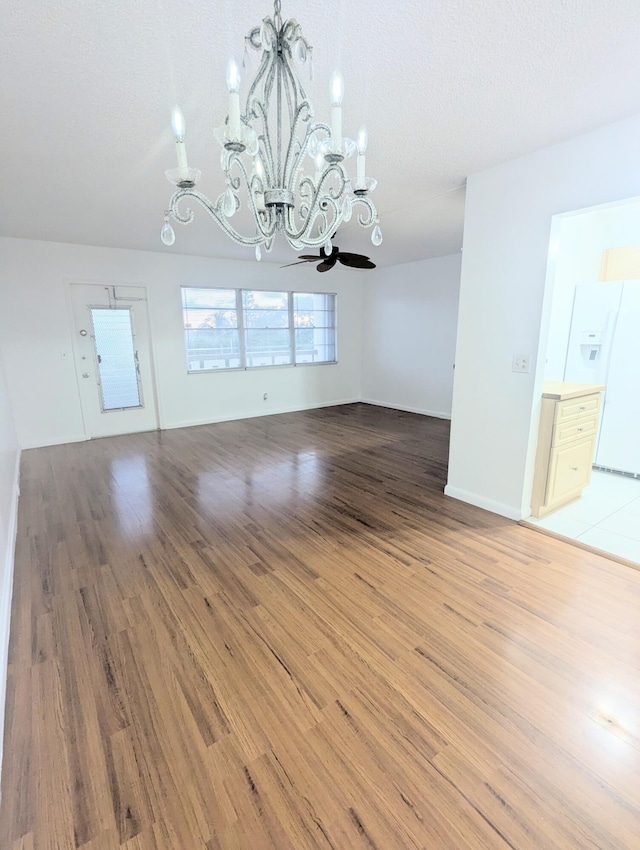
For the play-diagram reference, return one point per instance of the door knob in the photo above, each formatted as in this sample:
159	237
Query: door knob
85	374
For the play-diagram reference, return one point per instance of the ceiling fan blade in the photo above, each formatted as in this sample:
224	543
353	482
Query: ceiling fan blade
348	256
355	261
299	262
327	264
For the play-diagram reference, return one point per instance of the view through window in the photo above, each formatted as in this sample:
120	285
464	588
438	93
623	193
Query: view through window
117	358
248	328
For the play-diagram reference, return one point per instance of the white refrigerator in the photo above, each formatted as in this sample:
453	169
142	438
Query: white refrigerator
604	348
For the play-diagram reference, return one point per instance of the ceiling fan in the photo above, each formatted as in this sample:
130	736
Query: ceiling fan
327	261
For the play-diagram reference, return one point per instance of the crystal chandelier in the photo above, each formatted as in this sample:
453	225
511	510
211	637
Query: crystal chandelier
288	169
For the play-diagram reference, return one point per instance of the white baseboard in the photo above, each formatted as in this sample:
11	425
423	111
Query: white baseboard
6	590
254	414
53	441
438	414
481	502
191	423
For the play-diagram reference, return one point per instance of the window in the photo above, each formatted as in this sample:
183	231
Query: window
211	330
117	358
315	327
248	328
267	329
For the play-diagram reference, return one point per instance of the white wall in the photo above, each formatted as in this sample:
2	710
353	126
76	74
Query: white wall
580	241
410	316
503	309
36	332
9	462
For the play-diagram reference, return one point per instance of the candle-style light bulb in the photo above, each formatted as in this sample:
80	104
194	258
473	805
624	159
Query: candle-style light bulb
233	84
360	163
336	90
233	76
363	140
177	125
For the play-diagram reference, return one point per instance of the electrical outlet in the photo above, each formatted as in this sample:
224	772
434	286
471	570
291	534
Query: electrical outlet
520	363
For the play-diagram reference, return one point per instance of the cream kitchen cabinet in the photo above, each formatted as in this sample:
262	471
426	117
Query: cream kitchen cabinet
566	444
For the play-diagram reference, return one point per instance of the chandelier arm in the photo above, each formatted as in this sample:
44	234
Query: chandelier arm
295	159
324	204
264	62
291	105
268	72
278	66
266	154
292	32
312	130
322	133
264	218
368	220
300	109
319	196
293	87
258	107
303	240
253	40
219	217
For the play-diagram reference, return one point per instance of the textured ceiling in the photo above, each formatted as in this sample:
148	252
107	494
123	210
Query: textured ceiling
446	88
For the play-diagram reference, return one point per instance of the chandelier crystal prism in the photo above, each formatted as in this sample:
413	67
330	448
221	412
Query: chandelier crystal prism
285	168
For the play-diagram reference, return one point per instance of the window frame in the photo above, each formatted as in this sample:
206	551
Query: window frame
242	349
333	327
249	352
239	328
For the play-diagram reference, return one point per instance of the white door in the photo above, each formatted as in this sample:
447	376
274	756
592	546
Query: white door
113	361
619	444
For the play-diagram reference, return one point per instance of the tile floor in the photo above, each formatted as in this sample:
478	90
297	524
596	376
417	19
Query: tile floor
606	517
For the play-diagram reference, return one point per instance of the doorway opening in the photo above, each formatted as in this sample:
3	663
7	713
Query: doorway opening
593	282
112	349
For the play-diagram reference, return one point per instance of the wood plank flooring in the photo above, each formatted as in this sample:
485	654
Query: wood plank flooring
279	633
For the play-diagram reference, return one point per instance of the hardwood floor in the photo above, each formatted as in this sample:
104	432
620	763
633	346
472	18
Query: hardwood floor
278	633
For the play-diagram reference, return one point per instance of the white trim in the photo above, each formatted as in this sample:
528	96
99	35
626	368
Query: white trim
6	592
254	414
481	502
190	423
438	414
54	441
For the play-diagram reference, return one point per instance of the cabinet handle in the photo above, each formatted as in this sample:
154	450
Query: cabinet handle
574	468
580	429
583	407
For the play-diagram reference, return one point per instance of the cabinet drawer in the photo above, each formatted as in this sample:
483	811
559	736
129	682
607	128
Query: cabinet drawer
575	430
570	470
576	408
